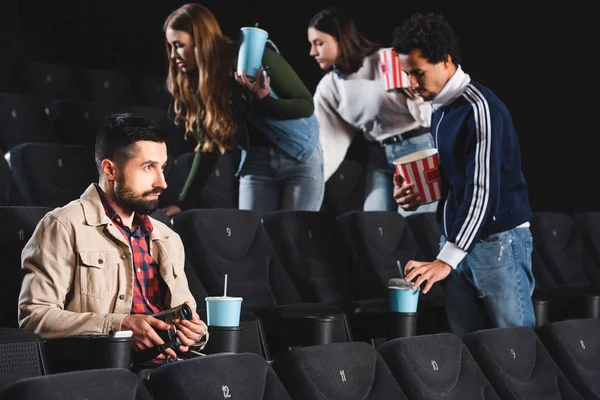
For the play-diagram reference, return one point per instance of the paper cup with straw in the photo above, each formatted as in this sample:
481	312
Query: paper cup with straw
223	310
422	169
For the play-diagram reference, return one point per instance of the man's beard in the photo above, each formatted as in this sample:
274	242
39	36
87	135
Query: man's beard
127	198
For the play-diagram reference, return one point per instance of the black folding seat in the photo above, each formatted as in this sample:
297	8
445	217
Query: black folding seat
77	122
318	259
222	188
151	90
49	81
517	364
382	243
587	225
24	119
217	188
21	356
52	174
426	231
342	371
558	265
8	78
557	250
253	332
313	250
106	86
436	366
234	242
99	384
218	376
21	47
16	227
575	346
345	189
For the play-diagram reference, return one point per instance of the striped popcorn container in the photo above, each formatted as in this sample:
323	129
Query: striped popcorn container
422	169
391	70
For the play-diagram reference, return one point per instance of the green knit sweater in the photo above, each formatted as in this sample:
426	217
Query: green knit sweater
294	101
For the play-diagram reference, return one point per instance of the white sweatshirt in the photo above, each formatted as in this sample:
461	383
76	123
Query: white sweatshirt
359	103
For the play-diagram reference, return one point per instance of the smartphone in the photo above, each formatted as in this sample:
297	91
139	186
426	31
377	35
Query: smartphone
263	79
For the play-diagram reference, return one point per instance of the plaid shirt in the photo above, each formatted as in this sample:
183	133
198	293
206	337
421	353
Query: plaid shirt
149	288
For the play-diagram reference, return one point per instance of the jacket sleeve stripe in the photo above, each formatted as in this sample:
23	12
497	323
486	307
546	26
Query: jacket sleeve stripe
480	198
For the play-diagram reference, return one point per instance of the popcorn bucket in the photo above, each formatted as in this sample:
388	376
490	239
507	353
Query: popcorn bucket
391	70
422	169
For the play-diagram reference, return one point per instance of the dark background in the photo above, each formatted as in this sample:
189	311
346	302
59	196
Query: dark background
539	61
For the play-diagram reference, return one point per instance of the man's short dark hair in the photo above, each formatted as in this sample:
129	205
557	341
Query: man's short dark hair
430	33
118	135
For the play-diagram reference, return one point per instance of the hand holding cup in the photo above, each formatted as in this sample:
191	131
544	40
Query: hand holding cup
259	87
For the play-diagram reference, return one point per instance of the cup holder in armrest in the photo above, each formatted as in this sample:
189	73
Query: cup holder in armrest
317	329
541	310
591	305
224	339
75	353
402	324
567	302
305	324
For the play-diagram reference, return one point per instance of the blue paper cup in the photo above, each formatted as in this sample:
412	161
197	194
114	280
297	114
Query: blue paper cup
223	311
403	298
252	47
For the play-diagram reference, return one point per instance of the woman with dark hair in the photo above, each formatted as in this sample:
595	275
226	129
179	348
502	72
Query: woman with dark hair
271	120
351	99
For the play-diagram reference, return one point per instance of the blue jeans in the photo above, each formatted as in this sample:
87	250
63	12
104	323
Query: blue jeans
493	284
379	185
272	180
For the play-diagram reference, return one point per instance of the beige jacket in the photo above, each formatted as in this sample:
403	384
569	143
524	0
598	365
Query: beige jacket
78	272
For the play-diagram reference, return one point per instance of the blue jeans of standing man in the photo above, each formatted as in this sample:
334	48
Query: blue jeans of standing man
272	180
379	185
492	285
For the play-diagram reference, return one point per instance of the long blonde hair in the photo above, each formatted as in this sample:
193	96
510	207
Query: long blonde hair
204	93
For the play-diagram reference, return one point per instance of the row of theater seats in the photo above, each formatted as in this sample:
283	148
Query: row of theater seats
557	361
50	82
346	261
289	264
26	118
64	133
566	262
48	103
53	174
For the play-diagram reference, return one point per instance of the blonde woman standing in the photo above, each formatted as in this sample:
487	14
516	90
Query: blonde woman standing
271	121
